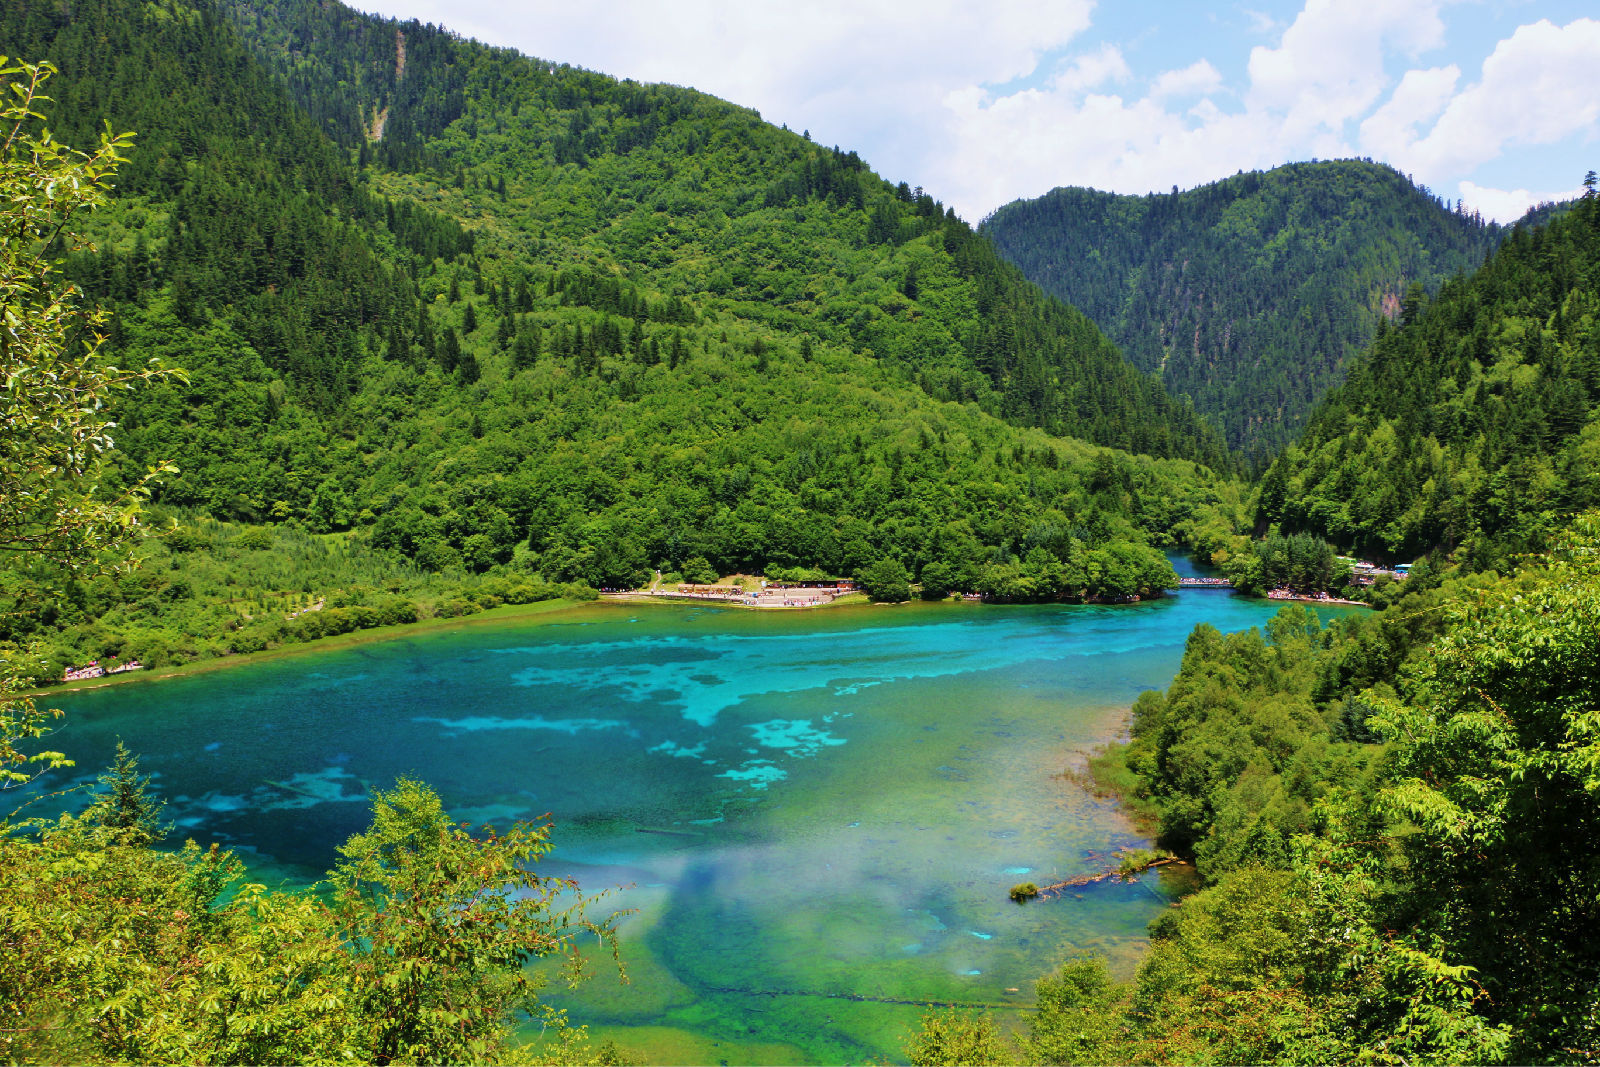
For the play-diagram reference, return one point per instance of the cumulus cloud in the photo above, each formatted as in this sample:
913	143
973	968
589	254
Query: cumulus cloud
1319	91
1420	97
1538	86
1092	71
1261	23
1328	67
1099	139
1199	77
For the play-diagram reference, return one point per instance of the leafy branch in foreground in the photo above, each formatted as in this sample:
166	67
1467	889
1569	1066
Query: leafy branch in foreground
440	925
57	521
54	510
413	951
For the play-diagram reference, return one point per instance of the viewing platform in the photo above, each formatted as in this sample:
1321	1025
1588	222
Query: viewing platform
1204	583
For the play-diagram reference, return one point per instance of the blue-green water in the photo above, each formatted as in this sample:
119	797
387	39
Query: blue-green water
804	807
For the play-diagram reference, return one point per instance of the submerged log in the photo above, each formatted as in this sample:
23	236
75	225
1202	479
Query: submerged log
1055	889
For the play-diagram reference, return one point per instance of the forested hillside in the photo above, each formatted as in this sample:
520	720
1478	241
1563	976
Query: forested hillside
460	311
1252	294
713	205
1474	424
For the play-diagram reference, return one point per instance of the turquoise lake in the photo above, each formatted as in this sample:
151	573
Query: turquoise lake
815	816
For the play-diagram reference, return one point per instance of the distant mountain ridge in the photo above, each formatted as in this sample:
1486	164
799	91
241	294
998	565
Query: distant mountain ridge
1249	295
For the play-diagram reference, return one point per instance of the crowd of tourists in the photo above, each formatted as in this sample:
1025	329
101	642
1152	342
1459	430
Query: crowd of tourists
95	670
771	595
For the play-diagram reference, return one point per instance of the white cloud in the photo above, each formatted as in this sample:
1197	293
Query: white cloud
1326	71
1389	131
1261	23
1092	71
1043	139
1538	86
1198	78
1328	67
1508	205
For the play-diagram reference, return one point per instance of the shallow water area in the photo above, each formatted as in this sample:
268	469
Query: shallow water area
815	815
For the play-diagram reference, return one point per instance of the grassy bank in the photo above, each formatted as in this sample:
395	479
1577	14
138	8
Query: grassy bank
491	617
208	591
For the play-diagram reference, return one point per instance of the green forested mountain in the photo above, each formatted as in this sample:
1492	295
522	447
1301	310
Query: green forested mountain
470	311
700	200
1474	423
1252	294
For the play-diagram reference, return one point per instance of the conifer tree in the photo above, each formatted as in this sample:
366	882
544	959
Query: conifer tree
125	804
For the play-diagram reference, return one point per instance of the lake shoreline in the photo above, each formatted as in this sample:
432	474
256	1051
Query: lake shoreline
503	614
640	596
506	613
878	778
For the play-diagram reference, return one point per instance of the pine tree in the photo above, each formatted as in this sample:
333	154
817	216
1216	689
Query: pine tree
450	349
124	804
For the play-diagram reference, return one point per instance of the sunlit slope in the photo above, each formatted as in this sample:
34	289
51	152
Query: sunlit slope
699	199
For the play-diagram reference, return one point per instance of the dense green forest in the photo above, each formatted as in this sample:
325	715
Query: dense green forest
1250	295
703	201
542	322
1473	424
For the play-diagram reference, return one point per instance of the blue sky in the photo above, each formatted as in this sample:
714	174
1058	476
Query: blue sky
1495	102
